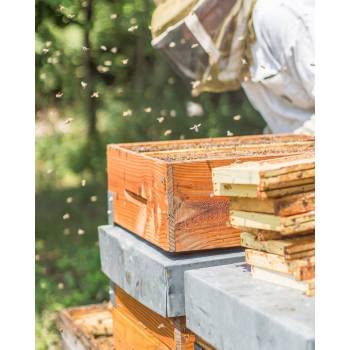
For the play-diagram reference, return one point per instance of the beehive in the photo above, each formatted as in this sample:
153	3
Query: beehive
163	192
86	327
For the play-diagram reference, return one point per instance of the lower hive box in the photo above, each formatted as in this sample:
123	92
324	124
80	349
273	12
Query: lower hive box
162	191
86	327
137	327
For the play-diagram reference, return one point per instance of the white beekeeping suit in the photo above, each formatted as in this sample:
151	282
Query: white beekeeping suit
281	82
265	46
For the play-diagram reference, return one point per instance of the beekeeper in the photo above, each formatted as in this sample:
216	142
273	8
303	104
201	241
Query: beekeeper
264	46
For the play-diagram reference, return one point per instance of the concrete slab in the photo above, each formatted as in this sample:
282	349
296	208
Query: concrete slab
230	310
153	277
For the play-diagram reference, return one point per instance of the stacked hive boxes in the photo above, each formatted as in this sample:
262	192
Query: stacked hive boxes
161	203
162	191
148	288
272	203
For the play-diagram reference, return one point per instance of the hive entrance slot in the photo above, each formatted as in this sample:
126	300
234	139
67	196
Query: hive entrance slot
135	198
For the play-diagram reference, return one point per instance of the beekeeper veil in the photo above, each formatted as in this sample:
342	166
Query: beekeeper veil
206	40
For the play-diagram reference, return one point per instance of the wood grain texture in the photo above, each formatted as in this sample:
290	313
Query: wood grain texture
266	172
129	335
288	225
300	268
300	255
200	219
139	190
266	235
271	178
280	247
163	192
251	191
171	333
86	327
291	178
285	206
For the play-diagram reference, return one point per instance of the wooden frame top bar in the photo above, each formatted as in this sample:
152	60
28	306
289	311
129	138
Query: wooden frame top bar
219	148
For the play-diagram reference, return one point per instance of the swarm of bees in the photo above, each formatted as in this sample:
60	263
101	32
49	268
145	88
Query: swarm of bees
194	110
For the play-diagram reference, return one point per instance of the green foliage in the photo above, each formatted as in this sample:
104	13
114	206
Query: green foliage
78	57
66	40
67	263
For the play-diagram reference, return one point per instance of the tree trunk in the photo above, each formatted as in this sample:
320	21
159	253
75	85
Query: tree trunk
90	103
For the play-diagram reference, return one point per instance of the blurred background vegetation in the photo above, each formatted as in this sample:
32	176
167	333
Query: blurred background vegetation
99	81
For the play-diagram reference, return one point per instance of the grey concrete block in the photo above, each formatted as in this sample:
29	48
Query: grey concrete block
229	309
153	277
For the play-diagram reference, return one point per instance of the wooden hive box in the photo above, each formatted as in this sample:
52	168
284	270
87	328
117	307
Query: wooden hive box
86	327
137	327
163	192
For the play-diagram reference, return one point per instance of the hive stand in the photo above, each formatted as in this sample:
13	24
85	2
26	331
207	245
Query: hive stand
229	309
153	277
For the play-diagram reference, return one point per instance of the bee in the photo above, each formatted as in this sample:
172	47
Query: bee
133	28
195	127
95	94
127	113
68	120
93	198
81	232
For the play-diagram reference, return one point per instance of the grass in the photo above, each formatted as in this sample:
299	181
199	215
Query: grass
67	263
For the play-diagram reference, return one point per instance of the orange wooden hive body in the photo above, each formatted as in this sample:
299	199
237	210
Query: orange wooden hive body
137	327
86	327
162	191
